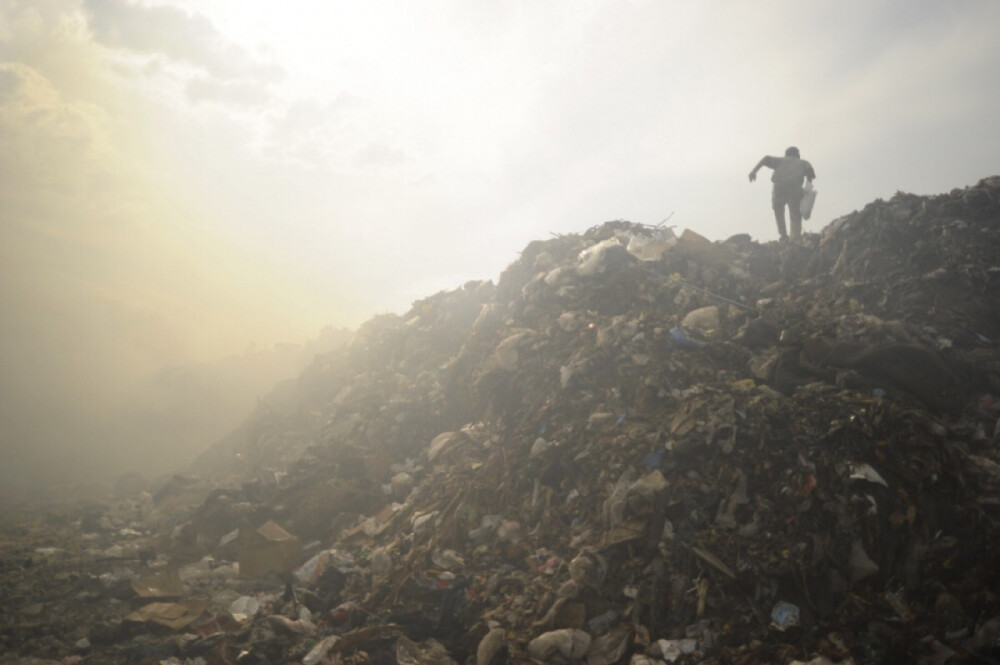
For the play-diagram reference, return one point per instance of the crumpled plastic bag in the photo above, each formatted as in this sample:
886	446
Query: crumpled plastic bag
428	652
651	247
570	643
605	255
609	648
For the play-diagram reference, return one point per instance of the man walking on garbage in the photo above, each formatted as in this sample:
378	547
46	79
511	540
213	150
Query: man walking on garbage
787	178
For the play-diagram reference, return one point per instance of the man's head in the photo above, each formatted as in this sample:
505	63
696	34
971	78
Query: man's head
792	152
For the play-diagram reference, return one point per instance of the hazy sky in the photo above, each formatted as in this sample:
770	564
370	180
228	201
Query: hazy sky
179	178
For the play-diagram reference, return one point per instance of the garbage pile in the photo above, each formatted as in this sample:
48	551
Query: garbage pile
636	447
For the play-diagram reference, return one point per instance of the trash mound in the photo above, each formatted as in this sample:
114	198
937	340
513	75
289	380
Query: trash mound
636	447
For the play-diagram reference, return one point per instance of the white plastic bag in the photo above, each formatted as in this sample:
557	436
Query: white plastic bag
808	200
651	247
593	260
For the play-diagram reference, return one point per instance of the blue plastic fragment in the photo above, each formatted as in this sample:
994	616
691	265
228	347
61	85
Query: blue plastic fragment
681	339
784	615
654	459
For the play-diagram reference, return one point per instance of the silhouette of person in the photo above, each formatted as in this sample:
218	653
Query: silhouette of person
789	172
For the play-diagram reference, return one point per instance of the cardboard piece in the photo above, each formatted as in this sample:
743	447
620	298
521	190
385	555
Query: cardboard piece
172	615
163	584
624	532
700	248
269	549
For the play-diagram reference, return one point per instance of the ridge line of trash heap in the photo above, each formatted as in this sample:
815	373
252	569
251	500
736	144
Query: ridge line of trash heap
635	447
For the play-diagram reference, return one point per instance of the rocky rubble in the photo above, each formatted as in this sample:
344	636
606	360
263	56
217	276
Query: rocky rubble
636	447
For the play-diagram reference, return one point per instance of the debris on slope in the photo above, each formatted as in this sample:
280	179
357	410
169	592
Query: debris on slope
634	448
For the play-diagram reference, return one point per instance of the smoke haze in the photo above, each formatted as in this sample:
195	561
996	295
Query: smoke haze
181	179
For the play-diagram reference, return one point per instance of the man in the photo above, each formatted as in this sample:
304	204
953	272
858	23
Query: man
789	172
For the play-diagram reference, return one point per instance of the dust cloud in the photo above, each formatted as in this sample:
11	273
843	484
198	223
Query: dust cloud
83	402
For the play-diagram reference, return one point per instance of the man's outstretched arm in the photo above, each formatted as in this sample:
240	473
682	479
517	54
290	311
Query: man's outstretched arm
753	173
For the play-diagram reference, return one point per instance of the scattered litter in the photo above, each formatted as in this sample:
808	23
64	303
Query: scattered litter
609	456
